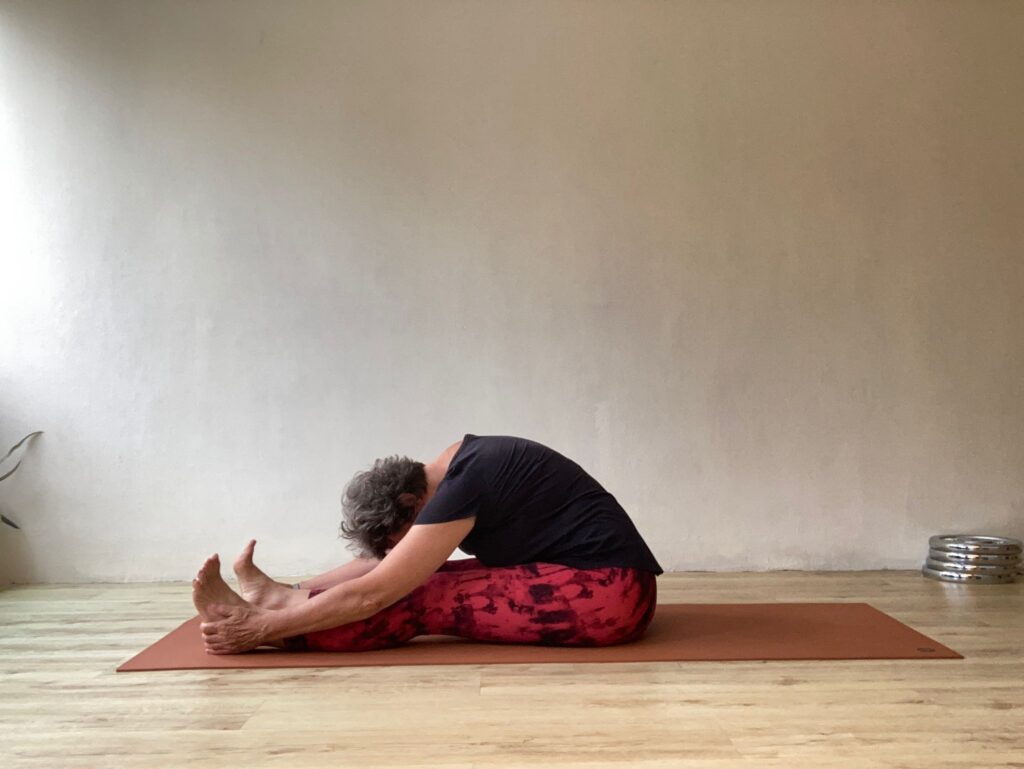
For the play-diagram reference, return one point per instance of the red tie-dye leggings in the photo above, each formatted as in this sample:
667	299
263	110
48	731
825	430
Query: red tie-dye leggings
534	603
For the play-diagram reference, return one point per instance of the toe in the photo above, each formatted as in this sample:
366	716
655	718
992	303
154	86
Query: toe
244	559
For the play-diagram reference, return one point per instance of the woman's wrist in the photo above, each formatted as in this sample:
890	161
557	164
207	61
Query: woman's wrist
337	606
278	624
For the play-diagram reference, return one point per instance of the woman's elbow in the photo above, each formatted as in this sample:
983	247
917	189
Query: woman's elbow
371	602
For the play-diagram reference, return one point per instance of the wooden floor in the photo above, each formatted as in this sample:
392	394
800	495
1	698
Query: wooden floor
62	705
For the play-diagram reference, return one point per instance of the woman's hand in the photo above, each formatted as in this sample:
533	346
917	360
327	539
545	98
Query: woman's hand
234	629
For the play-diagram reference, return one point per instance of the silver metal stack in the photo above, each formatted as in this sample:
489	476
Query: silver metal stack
973	558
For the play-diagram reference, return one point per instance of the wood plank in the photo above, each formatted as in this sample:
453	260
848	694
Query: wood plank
64	706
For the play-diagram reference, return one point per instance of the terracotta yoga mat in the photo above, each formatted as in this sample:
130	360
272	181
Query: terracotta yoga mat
744	631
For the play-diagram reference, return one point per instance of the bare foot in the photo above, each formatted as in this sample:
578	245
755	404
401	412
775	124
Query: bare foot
209	589
259	589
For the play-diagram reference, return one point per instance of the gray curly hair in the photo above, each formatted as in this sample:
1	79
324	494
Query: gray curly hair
370	507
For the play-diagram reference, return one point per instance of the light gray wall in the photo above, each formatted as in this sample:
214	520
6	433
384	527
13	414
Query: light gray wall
755	265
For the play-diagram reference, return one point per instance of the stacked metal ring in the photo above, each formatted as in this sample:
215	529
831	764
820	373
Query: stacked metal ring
973	558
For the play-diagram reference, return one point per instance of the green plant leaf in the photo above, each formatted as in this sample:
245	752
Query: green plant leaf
12	450
11	472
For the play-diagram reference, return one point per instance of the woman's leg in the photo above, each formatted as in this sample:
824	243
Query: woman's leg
537	603
462	565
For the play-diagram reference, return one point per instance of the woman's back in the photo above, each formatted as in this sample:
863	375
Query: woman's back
533	504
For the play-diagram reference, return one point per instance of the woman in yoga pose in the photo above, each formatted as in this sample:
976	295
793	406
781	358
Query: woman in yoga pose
558	561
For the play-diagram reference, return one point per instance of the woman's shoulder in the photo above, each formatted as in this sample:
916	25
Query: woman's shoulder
453	449
449	453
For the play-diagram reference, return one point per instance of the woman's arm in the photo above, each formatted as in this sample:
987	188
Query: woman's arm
351	570
408	565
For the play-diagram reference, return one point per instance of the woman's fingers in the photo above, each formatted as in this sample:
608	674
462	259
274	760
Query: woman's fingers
214	640
212	636
227	635
215	644
220	646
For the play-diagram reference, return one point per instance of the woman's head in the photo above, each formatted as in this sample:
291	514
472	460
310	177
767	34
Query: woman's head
378	503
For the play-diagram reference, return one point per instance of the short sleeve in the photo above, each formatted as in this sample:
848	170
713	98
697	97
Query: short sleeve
457	497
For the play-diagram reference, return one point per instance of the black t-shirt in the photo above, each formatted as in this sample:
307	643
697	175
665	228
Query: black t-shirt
533	504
